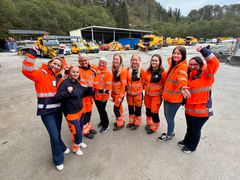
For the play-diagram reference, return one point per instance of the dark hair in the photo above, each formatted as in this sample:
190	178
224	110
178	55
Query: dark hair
160	67
198	60
183	52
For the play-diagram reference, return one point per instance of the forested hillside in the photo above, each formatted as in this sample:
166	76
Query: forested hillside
60	16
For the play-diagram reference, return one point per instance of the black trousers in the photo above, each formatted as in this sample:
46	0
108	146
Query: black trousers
193	134
101	107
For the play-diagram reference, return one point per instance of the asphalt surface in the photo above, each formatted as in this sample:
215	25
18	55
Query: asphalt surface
123	155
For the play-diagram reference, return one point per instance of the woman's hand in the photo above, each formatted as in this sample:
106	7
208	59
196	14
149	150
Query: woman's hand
185	92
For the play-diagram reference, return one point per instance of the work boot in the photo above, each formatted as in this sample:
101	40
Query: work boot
115	124
93	131
134	127
147	127
149	131
116	128
89	136
129	125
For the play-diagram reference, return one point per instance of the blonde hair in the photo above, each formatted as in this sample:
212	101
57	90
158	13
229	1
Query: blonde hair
56	58
139	67
119	69
70	68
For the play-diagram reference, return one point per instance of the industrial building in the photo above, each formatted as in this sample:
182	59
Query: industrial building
107	34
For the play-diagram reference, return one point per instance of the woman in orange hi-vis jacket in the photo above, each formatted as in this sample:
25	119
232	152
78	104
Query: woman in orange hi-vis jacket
135	85
87	74
46	79
198	107
154	83
176	82
102	90
119	82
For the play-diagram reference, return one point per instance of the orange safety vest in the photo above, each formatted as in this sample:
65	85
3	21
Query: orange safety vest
176	79
154	89
87	75
200	88
103	81
45	85
119	87
135	87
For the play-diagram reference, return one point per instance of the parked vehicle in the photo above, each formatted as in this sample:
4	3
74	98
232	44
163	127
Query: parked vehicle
190	41
8	45
150	42
235	58
78	47
92	47
67	49
132	42
47	47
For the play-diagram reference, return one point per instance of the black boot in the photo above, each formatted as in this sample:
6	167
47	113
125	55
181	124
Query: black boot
116	128
92	131
129	125
89	136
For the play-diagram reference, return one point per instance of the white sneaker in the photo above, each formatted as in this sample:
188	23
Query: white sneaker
67	151
60	167
83	145
78	152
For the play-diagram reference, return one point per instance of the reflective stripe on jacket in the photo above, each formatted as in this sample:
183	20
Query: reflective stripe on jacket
103	81
176	79
154	89
200	103
119	87
135	87
45	85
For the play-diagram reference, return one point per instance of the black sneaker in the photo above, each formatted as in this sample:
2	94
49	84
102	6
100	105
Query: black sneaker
93	131
181	143
147	127
129	125
89	136
99	125
186	150
149	131
134	127
116	128
103	130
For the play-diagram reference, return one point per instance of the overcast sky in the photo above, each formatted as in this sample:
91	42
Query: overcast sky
187	5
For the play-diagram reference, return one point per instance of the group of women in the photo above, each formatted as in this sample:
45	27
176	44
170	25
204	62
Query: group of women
74	95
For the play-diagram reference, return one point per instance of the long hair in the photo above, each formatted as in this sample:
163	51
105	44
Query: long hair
160	67
183	52
118	69
139	67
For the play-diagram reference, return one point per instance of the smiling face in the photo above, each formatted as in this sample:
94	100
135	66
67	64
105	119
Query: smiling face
83	61
135	62
55	65
155	62
116	61
74	73
102	64
177	56
193	65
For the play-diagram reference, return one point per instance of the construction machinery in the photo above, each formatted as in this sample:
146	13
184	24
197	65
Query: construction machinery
150	42
178	41
48	47
190	41
235	58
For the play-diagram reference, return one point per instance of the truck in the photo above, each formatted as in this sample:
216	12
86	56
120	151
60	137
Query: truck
190	41
78	47
150	42
8	44
178	41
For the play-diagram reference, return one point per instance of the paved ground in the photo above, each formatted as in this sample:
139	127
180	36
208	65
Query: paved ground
25	150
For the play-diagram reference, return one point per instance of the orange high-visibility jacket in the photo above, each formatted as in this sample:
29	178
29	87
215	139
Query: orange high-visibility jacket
135	87
154	89
45	85
87	75
175	80
102	84
119	85
200	84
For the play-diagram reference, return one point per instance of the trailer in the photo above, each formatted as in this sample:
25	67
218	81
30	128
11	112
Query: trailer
133	42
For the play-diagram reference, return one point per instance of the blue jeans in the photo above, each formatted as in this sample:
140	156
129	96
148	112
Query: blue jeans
170	110
53	123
